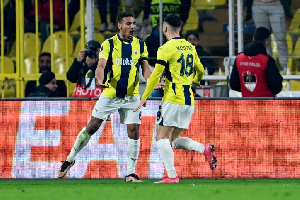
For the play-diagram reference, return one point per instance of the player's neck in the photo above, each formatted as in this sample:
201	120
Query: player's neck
172	35
124	38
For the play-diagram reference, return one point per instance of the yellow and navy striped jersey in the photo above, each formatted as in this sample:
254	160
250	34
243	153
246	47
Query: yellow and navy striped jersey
179	59
123	62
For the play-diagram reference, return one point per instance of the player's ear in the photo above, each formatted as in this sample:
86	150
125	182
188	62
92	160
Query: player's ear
119	26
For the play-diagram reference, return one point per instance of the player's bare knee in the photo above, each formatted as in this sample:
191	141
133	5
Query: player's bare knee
133	131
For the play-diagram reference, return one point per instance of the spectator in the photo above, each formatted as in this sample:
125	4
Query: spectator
10	19
180	7
47	86
44	17
255	73
82	71
285	3
205	59
248	4
45	66
5	46
152	43
73	8
113	11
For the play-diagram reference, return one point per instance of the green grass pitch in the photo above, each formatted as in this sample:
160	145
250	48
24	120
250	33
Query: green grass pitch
200	189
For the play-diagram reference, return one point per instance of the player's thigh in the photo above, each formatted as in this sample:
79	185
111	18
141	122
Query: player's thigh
163	132
176	134
127	116
105	106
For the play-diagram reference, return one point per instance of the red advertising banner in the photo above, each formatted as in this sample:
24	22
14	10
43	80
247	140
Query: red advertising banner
253	139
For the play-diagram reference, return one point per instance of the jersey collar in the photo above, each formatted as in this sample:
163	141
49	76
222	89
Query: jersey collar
177	38
123	40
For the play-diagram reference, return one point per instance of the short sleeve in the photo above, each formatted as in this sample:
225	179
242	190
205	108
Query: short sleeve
162	54
104	50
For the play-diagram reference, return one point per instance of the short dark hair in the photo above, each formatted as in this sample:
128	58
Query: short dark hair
46	77
261	34
173	20
192	33
45	54
93	44
124	14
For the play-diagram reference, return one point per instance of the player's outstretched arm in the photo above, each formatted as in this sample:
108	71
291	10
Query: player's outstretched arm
99	74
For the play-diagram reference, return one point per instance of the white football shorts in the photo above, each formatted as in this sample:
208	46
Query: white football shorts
170	114
108	105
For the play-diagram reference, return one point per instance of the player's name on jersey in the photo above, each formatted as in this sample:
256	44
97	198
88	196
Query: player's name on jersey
126	61
184	48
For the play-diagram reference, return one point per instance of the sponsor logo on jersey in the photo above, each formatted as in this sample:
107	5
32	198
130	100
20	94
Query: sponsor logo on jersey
126	61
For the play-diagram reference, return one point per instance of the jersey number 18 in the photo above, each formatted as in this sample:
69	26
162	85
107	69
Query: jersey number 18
186	66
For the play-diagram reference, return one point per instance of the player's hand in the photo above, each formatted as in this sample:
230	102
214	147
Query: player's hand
159	85
142	103
197	84
100	84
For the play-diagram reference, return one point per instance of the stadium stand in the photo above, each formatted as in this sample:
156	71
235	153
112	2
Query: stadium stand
98	37
29	46
30	66
8	65
75	25
60	65
291	64
207	4
294	27
60	49
192	21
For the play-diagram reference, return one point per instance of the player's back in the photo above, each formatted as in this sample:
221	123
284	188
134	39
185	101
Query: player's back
180	57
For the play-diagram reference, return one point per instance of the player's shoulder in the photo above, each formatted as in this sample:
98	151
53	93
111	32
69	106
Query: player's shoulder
137	41
165	46
108	40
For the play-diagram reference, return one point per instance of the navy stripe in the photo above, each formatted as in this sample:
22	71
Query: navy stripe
187	94
162	121
141	47
143	58
174	88
177	38
137	73
168	73
122	84
108	67
162	62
